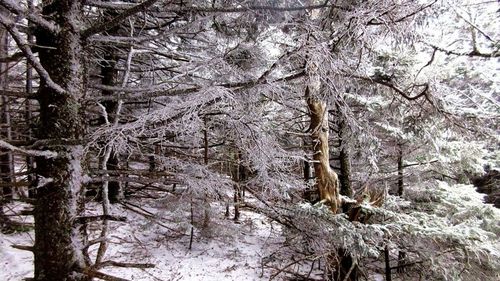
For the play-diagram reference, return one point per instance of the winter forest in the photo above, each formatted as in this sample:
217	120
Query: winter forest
342	140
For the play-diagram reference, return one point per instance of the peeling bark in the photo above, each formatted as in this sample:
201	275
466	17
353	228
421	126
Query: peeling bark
327	180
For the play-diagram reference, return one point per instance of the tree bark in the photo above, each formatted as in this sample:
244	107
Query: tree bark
6	159
59	241
30	163
206	203
109	75
387	258
400	170
345	159
237	189
326	179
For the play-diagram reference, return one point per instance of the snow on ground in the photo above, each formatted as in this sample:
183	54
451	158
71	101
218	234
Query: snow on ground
224	251
15	264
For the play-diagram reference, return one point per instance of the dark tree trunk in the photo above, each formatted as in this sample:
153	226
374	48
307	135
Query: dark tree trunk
109	75
59	241
307	170
346	267
388	276
206	203
236	175
6	159
401	261
400	170
30	162
345	160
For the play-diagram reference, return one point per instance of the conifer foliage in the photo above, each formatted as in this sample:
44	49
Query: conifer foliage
352	128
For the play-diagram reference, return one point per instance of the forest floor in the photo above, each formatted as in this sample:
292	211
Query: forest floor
157	234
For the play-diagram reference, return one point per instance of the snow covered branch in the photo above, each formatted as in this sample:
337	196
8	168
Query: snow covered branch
30	152
107	25
473	53
24	46
32	17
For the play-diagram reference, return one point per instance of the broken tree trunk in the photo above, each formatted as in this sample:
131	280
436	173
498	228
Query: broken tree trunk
327	181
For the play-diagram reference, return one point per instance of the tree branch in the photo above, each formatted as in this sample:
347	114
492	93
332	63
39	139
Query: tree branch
259	8
389	84
137	93
24	46
34	18
125	264
96	274
23	247
13	58
101	4
473	53
30	152
88	219
376	22
107	25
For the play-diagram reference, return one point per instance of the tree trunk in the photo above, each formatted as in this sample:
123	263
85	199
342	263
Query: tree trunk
59	241
388	276
30	163
400	170
6	159
345	159
206	203
237	190
306	170
326	179
109	75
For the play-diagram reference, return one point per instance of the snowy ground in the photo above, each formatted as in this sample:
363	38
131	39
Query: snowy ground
224	251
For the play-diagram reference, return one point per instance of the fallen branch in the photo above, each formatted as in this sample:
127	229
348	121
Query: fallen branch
23	247
96	274
100	217
125	264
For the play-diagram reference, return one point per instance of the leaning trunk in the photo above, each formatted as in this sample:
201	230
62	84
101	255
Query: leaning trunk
59	239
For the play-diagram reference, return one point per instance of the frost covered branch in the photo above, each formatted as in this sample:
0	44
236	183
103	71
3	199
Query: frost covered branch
107	25
473	53
9	24
30	152
32	17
